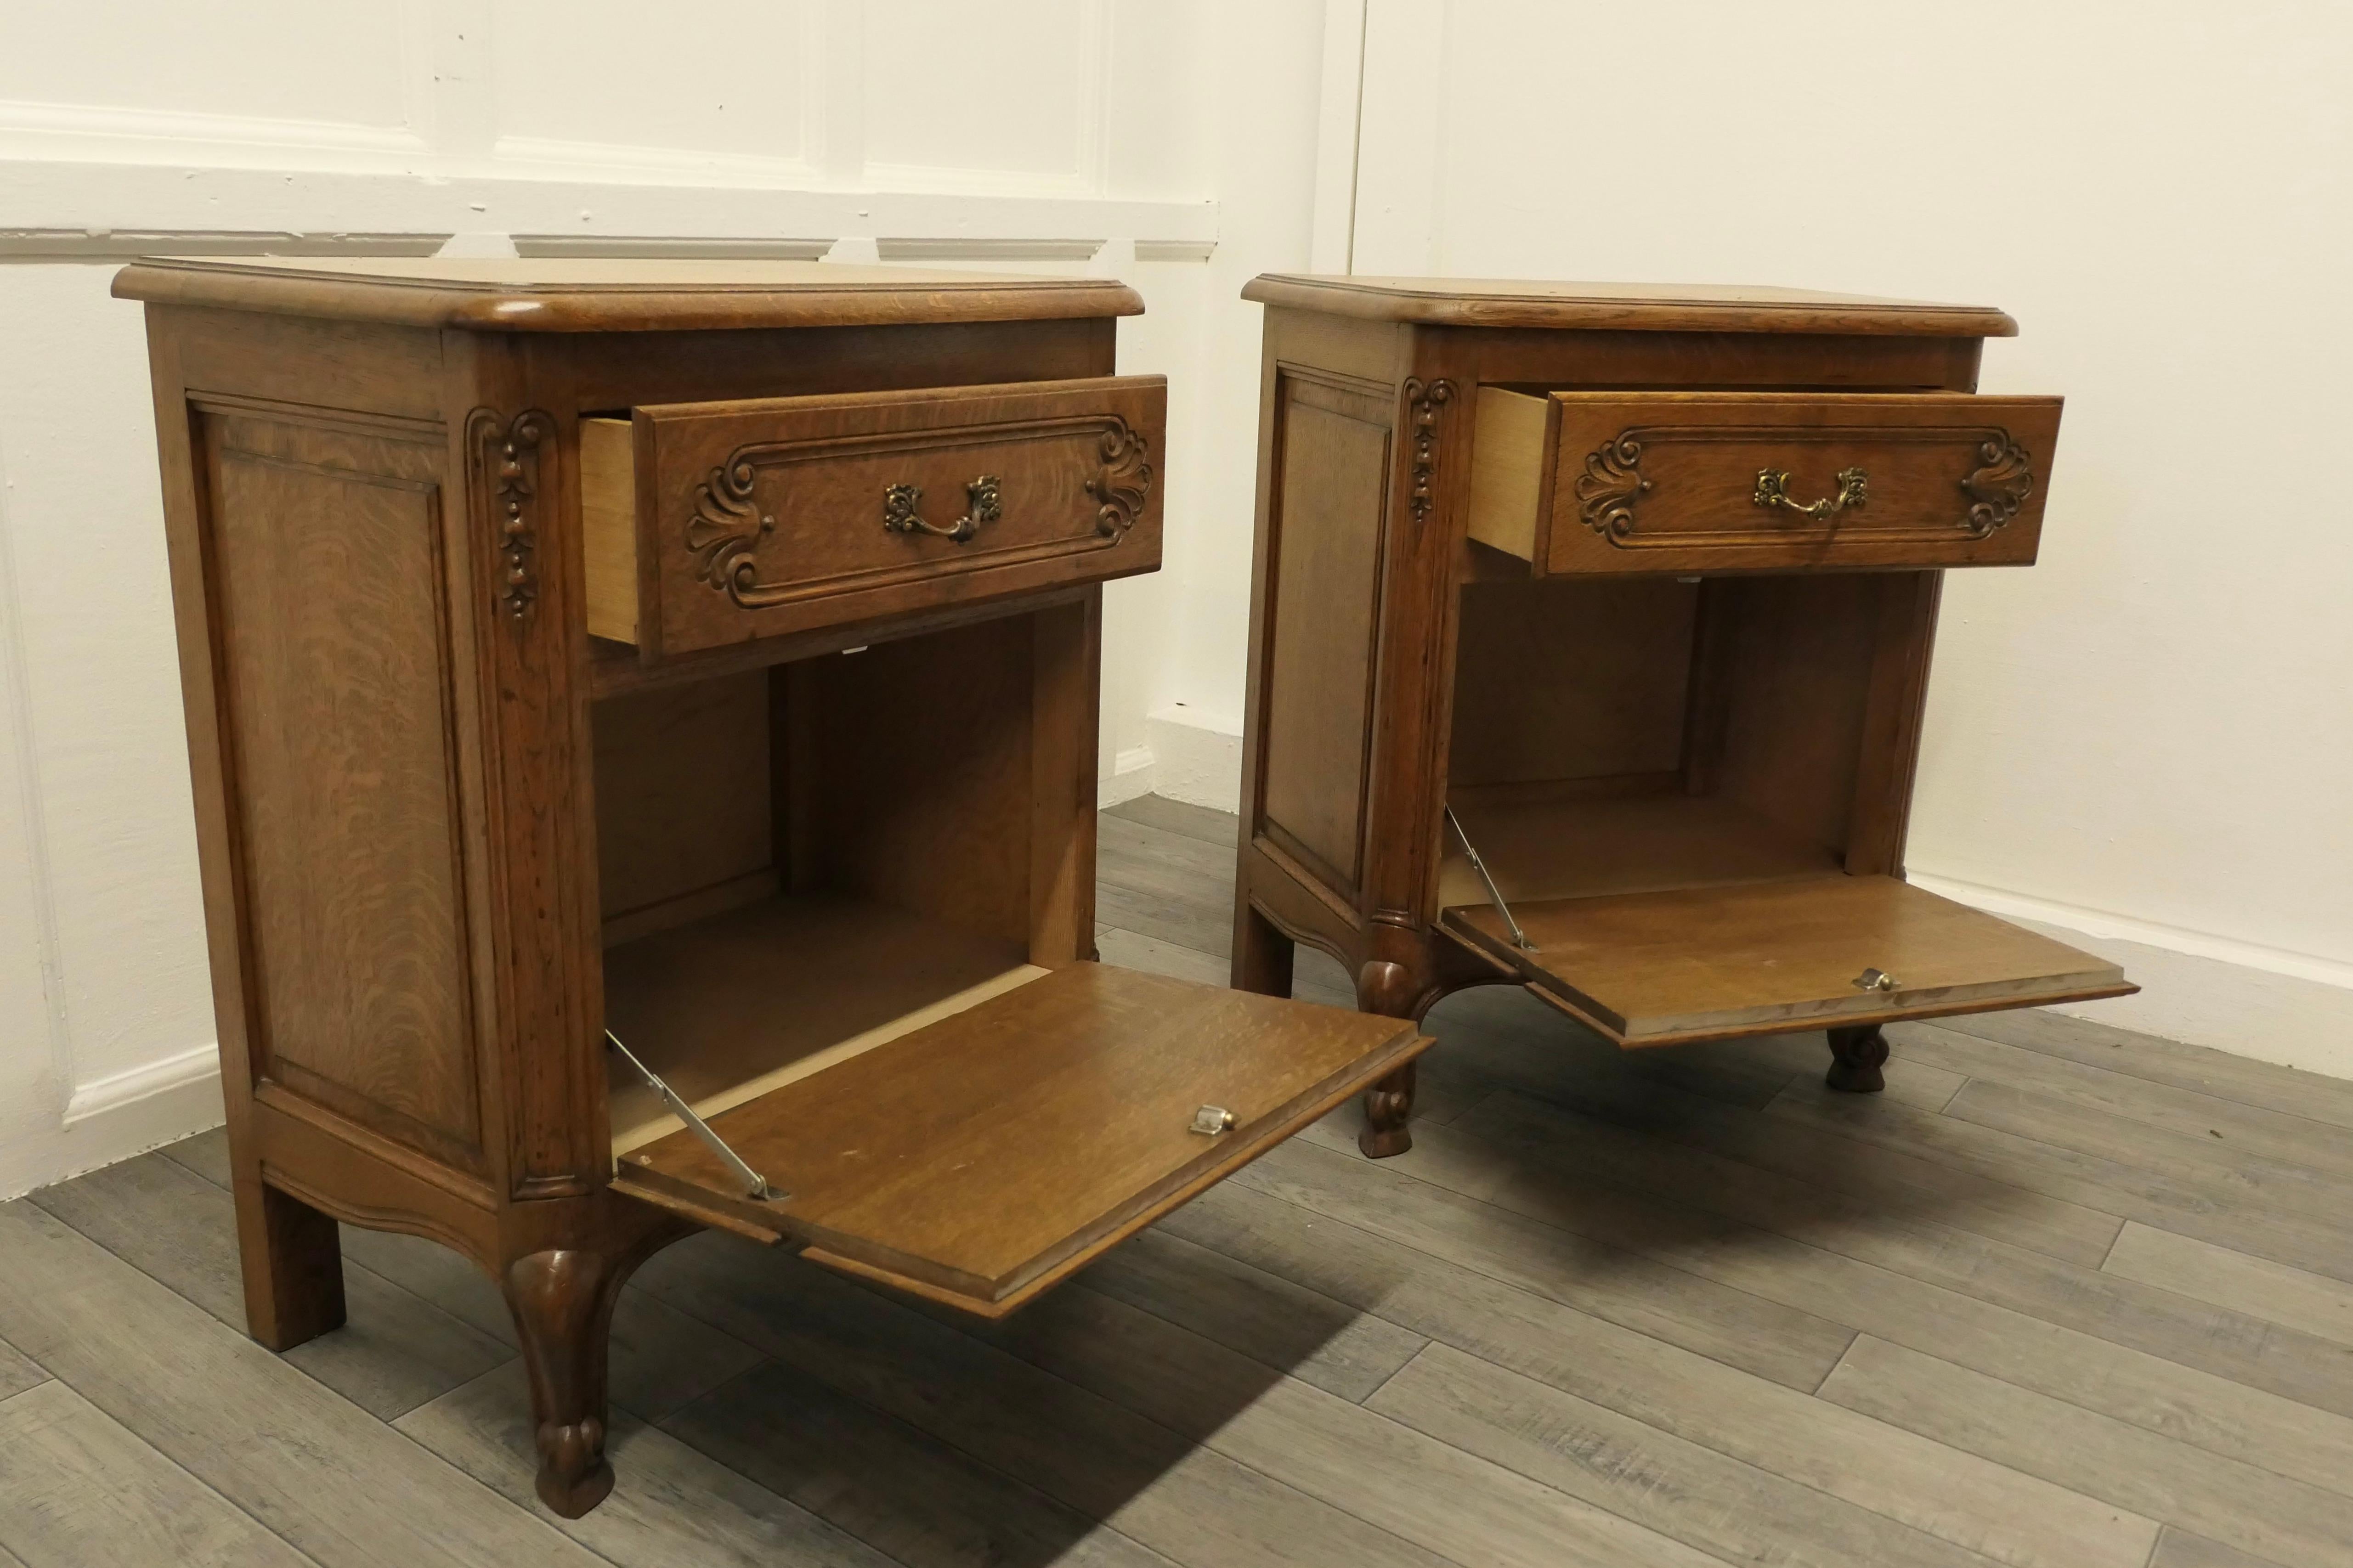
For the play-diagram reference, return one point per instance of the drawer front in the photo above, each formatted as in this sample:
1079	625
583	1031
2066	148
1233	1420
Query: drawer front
1743	481
763	517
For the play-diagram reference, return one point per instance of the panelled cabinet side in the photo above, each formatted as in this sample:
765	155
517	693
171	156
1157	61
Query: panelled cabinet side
1322	504
293	1264
309	513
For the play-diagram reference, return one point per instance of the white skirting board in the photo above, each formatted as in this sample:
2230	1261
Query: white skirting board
1189	755
110	1119
2199	989
2204	990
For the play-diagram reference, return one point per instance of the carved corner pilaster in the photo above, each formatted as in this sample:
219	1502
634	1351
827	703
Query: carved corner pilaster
506	487
1425	401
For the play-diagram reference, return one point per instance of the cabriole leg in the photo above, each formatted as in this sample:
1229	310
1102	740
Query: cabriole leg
1388	1106
1391	990
1856	1054
563	1306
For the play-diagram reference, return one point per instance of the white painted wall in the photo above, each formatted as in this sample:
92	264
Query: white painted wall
1025	135
2146	738
2146	741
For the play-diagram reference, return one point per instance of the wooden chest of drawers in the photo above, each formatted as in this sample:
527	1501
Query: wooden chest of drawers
1590	640
643	725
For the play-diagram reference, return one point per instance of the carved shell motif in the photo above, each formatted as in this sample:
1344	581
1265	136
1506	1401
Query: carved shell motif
1123	483
1998	486
1607	490
726	529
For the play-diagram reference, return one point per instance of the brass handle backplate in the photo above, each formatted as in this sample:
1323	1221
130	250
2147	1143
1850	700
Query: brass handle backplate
900	513
1773	490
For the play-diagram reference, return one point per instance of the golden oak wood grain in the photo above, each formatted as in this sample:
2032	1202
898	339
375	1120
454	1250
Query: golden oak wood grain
608	527
337	711
565	294
729	521
845	789
1640	307
992	1148
729	998
1327	576
1593	481
1779	954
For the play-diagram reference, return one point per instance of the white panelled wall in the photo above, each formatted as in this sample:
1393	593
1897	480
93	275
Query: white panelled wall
1172	145
2148	738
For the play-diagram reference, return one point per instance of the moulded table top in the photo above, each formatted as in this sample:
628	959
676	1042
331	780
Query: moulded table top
1624	307
571	294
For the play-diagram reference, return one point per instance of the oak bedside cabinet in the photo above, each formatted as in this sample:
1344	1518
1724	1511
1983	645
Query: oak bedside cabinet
1589	638
643	725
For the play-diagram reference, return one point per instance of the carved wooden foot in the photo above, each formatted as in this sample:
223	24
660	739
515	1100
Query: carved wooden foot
1855	1057
563	1306
1388	1105
292	1260
1392	990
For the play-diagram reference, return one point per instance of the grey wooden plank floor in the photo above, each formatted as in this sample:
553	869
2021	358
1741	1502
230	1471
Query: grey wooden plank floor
2062	1295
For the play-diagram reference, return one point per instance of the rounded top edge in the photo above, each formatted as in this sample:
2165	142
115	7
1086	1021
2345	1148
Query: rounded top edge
569	295
1624	307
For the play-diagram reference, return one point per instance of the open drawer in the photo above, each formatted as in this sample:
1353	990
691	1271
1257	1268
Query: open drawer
707	524
1722	481
987	1153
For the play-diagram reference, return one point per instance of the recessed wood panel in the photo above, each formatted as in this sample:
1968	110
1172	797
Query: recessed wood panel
1330	494
326	552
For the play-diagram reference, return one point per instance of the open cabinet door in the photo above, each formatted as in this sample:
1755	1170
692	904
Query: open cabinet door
983	1157
1658	968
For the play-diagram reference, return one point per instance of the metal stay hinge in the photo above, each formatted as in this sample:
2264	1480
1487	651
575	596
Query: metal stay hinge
1494	894
755	1185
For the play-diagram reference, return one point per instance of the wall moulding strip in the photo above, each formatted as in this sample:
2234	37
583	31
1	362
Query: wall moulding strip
53	198
38	246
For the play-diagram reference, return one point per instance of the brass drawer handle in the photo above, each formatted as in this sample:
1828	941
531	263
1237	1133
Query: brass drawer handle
900	514
1773	490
